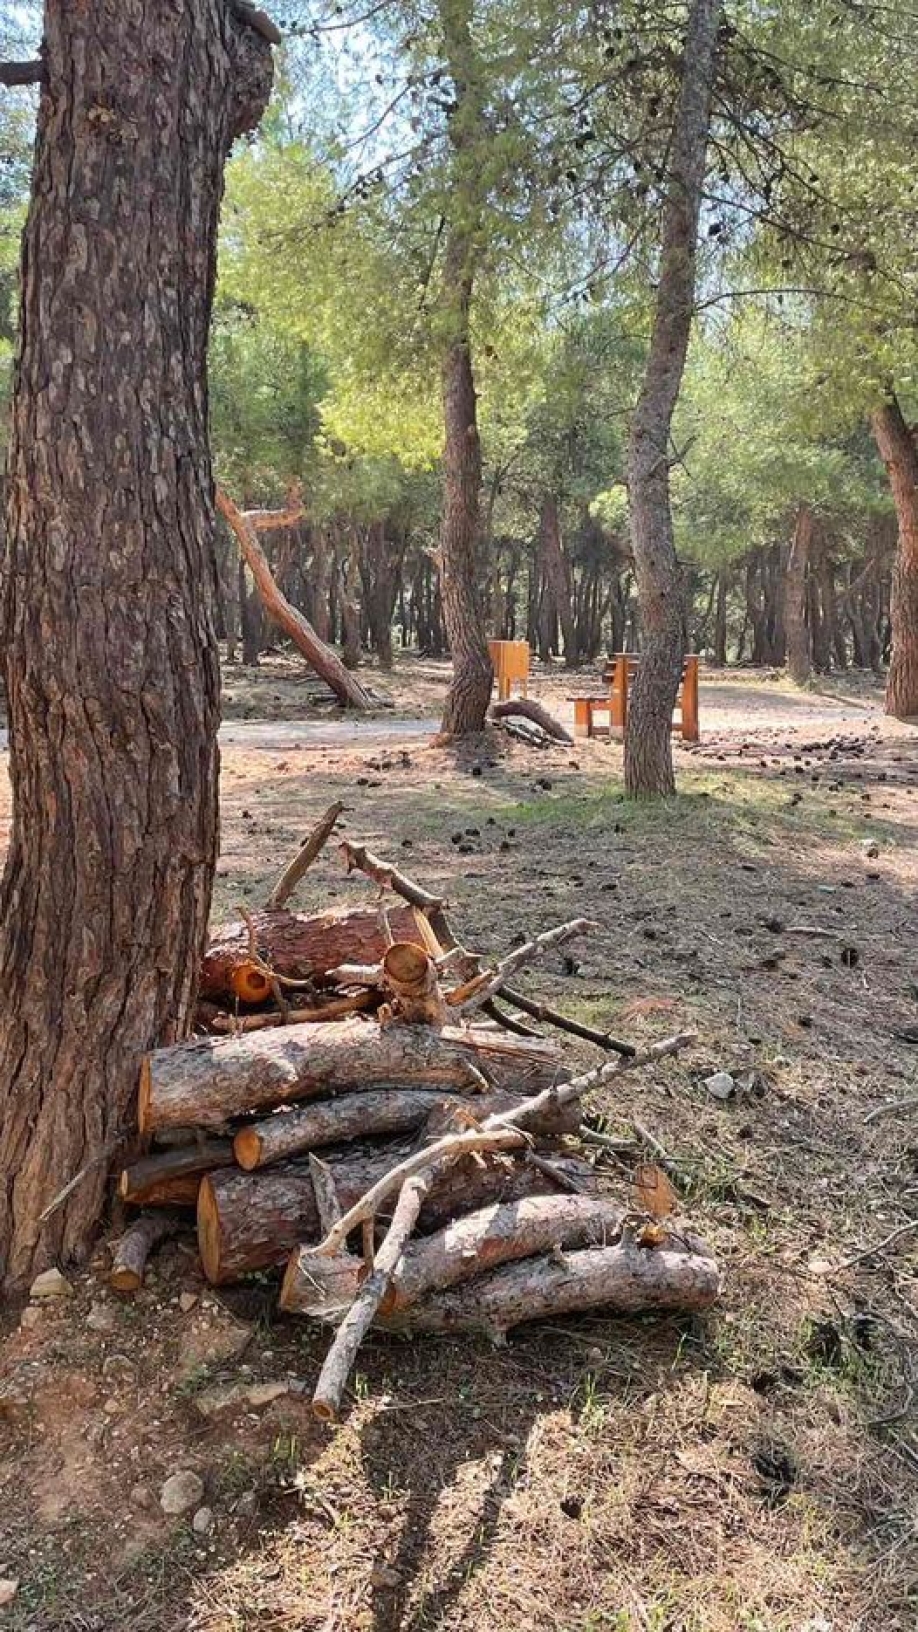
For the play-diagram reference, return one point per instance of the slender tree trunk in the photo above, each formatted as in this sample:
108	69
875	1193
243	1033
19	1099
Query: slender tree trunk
720	622
799	662
110	656
250	617
648	746
896	445
556	573
469	693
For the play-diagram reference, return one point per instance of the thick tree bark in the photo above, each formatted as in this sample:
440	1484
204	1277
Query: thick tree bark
896	444
173	1175
470	688
648	746
206	1082
799	661
109	646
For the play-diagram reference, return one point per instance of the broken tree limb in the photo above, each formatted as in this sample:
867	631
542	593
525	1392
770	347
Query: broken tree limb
553	1017
339	1362
530	710
23	73
490	982
129	1260
410	976
151	1181
327	664
304	858
207	1080
358	858
298	946
622	1279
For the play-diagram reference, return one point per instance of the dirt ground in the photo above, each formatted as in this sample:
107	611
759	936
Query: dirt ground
750	1471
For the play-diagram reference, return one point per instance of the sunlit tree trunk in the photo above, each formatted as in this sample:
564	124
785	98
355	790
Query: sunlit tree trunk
799	660
109	648
648	747
896	443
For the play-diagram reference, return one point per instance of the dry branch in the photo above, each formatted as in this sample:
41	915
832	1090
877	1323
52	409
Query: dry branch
533	711
491	981
305	856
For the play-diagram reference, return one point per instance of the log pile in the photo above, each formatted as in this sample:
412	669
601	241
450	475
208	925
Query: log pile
366	1110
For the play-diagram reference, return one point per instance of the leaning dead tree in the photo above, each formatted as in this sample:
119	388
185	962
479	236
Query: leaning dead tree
246	525
109	647
365	1112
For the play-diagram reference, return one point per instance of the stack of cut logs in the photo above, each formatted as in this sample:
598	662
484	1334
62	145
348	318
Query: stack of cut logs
368	1107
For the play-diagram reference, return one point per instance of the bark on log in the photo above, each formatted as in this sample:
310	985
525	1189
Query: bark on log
366	1115
253	1221
467	1247
623	1279
203	1082
130	1256
330	1008
534	711
299	946
172	1176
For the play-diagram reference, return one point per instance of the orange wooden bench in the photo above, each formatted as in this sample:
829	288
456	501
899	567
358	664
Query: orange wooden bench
619	674
511	663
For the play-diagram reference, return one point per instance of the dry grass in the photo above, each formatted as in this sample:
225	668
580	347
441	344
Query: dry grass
753	1470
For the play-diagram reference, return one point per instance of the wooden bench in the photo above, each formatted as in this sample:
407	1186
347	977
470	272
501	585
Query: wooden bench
619	675
511	663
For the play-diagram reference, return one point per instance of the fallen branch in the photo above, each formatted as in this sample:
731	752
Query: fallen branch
339	1362
489	983
531	711
336	1008
303	860
887	1241
553	1017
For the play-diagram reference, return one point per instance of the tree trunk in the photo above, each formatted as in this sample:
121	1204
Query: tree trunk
557	574
799	664
470	688
896	444
250	619
111	660
648	745
720	622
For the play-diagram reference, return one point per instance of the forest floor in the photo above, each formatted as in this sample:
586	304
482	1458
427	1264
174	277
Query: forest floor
750	1471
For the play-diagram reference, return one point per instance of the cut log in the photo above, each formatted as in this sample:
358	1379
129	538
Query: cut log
129	1260
623	1279
208	1080
385	1112
172	1176
252	1221
531	711
468	1246
300	946
410	976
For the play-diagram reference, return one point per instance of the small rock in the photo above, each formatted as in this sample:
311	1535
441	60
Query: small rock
187	1301
9	1587
247	1505
203	1521
51	1284
111	1407
213	1402
869	847
141	1496
181	1492
101	1319
30	1318
119	1368
721	1085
